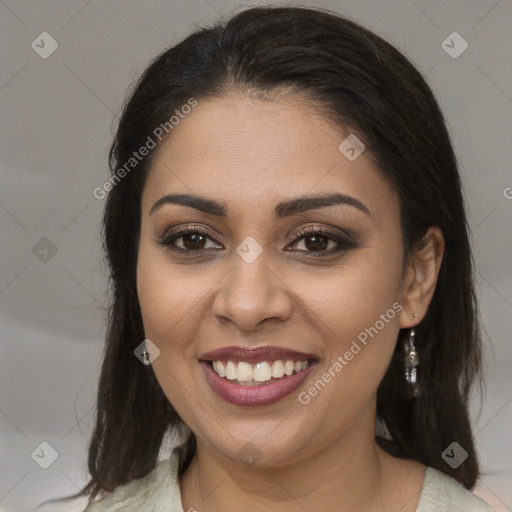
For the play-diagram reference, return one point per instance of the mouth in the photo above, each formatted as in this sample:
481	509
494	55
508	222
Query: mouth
256	376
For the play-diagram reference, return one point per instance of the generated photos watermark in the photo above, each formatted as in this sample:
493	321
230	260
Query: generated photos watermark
342	360
137	156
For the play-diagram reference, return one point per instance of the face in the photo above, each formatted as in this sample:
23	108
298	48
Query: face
258	269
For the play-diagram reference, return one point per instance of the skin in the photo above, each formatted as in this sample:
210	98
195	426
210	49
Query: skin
251	154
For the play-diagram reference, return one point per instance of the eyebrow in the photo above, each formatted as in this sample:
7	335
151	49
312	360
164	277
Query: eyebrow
284	209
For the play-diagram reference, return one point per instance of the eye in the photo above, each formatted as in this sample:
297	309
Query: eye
194	240
318	240
191	238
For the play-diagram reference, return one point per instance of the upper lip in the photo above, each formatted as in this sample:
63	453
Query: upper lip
255	354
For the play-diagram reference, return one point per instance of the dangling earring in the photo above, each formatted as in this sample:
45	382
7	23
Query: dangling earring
411	365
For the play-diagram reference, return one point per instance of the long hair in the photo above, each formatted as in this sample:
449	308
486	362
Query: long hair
357	80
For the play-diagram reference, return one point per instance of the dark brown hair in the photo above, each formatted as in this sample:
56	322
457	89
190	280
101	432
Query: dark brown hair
359	81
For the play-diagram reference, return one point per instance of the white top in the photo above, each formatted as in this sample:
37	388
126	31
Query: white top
159	491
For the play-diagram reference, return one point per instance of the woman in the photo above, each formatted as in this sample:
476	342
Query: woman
291	270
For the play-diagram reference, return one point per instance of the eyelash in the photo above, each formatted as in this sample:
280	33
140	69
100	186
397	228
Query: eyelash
344	243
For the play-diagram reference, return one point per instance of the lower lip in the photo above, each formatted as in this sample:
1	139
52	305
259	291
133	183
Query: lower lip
266	394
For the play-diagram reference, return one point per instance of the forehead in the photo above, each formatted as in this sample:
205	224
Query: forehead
248	152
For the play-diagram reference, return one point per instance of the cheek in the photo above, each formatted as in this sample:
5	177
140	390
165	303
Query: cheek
356	310
168	305
168	300
354	295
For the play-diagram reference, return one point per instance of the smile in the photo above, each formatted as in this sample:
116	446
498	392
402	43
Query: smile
257	374
249	391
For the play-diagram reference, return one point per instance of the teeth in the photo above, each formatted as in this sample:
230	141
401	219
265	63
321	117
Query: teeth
278	369
289	366
263	372
230	371
244	372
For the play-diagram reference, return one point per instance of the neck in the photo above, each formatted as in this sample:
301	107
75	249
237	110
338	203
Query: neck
350	474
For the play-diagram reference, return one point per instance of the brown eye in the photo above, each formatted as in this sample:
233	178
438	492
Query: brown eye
194	241
189	239
318	240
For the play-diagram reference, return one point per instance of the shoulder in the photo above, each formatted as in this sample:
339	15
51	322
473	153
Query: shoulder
158	491
442	493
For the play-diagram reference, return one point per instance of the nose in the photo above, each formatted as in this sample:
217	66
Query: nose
251	294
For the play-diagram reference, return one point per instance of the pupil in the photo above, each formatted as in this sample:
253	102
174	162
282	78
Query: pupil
194	239
316	244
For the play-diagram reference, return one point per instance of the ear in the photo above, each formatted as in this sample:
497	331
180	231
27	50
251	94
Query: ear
420	277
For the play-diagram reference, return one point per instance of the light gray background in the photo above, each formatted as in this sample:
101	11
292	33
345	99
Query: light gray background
56	116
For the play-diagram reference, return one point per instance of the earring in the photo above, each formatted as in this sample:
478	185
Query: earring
411	365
